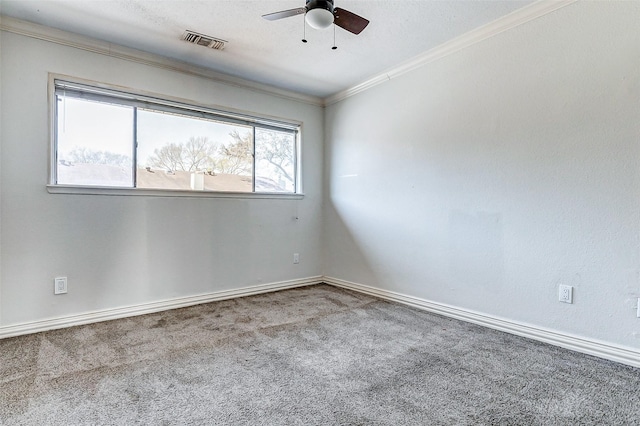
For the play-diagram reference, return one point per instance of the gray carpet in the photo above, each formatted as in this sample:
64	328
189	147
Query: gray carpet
311	356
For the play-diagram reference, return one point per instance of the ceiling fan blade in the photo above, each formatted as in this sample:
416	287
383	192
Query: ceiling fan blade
349	21
284	14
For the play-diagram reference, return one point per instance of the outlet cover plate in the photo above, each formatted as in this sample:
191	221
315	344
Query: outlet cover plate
60	285
565	294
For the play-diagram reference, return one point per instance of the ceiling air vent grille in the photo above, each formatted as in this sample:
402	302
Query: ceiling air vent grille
203	40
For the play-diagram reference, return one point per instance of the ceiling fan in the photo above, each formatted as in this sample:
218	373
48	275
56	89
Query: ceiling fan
320	14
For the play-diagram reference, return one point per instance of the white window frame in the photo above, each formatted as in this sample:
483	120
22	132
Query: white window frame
127	96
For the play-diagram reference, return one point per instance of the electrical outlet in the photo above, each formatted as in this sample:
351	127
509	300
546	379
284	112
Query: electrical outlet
60	285
565	294
296	258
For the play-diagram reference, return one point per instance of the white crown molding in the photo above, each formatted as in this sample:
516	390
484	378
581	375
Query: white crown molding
148	308
505	23
593	347
53	35
500	25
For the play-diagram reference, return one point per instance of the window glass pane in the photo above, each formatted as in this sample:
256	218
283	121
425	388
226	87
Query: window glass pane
94	143
117	139
275	161
188	153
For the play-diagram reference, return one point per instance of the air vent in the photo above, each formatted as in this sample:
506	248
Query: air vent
203	40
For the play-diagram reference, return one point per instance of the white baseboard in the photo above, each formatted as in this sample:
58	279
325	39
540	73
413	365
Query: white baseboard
148	308
600	349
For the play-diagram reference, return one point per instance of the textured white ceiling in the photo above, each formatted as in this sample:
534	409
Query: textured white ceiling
271	52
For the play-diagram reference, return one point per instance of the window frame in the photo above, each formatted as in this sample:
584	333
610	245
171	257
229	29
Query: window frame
86	89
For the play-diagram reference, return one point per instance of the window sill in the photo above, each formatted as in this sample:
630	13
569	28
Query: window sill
97	190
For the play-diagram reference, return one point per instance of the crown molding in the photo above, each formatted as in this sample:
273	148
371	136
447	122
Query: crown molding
65	38
505	23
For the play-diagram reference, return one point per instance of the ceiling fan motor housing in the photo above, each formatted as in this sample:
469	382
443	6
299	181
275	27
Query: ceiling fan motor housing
319	13
320	4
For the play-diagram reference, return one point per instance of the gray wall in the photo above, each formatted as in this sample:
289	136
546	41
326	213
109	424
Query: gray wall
119	251
489	177
482	180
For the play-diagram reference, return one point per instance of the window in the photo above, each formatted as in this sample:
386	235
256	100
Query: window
108	138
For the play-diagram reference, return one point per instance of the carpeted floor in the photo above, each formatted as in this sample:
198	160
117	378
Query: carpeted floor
311	356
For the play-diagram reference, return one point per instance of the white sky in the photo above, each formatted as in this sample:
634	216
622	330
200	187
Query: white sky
113	131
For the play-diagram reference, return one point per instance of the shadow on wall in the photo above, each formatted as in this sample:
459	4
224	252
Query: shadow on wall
345	252
429	258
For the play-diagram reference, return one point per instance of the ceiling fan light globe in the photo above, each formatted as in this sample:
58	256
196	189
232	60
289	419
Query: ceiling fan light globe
319	18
